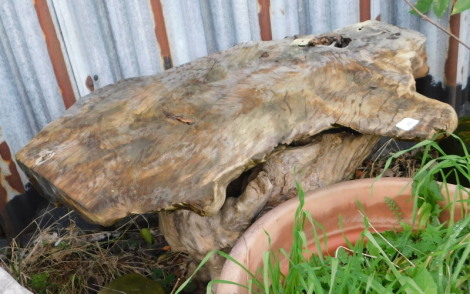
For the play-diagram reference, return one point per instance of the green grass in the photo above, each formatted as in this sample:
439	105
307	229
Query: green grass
431	259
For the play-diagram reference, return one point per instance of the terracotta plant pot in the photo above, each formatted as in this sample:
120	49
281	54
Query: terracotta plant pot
325	206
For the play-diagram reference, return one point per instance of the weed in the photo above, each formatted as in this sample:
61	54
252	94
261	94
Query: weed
39	282
430	257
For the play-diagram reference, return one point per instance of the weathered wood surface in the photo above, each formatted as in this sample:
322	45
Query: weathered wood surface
176	140
326	159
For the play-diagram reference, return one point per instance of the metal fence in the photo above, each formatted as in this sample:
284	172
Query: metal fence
52	52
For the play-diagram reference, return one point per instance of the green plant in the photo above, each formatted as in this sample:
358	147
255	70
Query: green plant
146	235
39	282
441	6
461	6
442	165
430	257
168	281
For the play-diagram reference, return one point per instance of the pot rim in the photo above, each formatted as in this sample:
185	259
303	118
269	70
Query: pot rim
253	236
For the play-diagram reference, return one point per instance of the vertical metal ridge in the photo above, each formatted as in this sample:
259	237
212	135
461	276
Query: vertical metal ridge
364	10
209	27
160	33
3	197
55	52
16	93
450	67
10	180
452	52
14	178
109	42
463	63
264	17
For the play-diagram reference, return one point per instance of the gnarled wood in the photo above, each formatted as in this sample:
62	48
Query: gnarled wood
176	140
327	159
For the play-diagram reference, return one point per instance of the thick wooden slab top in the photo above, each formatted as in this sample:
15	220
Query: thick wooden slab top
175	140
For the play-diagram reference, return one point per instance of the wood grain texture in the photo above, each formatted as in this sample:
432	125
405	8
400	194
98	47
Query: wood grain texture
176	140
327	158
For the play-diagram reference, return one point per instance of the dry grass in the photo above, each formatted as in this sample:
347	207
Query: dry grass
70	260
404	166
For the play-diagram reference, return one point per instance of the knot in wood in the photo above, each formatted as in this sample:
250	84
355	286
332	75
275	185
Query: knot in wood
327	40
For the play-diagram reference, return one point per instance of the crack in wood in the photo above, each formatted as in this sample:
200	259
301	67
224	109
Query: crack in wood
179	118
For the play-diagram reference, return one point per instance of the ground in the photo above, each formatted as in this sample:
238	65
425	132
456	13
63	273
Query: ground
66	258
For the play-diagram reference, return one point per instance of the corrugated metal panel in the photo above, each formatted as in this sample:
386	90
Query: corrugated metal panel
196	28
186	41
285	18
290	18
29	92
463	65
117	39
10	182
397	13
375	9
108	40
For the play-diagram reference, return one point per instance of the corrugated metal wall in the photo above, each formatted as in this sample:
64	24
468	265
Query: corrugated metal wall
29	94
463	71
55	51
397	12
10	181
463	65
107	40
